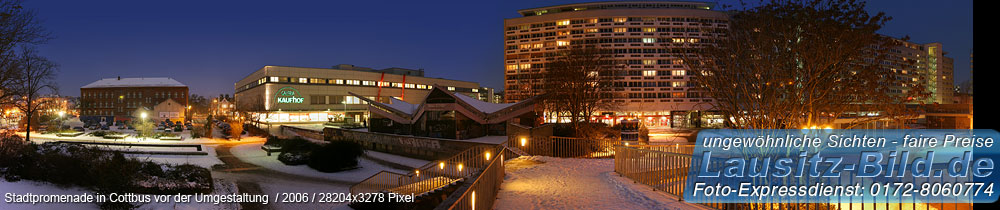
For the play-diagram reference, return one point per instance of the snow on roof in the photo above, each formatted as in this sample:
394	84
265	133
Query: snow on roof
400	105
482	105
135	82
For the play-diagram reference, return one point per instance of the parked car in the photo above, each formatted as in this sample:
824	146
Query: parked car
79	128
178	128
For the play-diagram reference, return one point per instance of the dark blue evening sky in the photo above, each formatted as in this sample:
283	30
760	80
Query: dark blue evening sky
209	45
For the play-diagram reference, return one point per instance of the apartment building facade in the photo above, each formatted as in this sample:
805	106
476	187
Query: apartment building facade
647	37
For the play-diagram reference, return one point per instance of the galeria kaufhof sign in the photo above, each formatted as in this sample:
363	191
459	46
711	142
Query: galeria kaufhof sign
843	166
288	95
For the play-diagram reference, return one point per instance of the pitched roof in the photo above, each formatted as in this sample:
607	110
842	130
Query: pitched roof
135	82
485	107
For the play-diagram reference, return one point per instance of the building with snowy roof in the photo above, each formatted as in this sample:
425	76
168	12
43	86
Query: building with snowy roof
449	115
116	99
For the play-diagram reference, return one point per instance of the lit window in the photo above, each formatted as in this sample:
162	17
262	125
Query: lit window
539	45
451	88
649	29
678	40
562	22
512	67
526	66
679	84
648	62
620	30
678	72
649	73
590	30
694	40
648	40
422	87
351	100
340	82
562	43
274	79
594	20
475	90
562	33
620	20
303	80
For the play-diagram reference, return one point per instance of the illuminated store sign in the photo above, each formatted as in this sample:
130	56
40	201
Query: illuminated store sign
288	95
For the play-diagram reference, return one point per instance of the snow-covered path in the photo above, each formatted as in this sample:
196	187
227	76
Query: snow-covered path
538	182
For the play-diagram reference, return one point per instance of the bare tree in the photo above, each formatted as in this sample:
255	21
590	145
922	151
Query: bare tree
18	27
790	64
579	82
35	76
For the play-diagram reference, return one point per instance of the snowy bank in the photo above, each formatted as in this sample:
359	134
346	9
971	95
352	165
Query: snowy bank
538	182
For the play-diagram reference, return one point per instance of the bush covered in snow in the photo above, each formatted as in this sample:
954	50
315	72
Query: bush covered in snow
99	170
294	158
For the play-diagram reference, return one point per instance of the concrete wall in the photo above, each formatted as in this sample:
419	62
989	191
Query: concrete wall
409	146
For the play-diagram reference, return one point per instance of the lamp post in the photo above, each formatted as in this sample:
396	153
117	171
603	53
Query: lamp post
142	117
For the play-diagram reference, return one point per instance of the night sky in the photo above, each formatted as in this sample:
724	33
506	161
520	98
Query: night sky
209	45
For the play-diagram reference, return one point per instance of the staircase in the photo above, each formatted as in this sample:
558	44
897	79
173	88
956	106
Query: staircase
429	182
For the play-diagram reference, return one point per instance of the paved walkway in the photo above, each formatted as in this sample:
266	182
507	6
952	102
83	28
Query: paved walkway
535	182
249	178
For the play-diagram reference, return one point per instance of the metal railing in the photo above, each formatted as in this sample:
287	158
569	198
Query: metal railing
482	193
555	146
460	166
664	171
665	168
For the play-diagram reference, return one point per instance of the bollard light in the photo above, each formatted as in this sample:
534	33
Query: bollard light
459	167
441	165
418	173
473	200
487	155
524	141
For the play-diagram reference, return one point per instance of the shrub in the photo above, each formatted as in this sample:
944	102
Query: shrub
294	158
101	171
336	156
297	144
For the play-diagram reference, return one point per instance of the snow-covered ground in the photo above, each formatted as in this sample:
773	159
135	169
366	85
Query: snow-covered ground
185	135
406	161
538	182
206	161
251	153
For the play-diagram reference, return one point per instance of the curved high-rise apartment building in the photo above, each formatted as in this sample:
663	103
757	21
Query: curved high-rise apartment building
647	36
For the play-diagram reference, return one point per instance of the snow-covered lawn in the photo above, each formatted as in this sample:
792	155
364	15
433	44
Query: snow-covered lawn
38	137
206	161
538	182
251	153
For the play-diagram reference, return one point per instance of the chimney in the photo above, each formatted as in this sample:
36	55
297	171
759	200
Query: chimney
119	77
